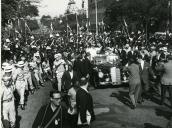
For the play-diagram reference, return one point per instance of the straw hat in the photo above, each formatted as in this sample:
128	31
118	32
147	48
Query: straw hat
51	36
57	55
57	34
32	37
8	68
7	40
20	64
5	64
48	48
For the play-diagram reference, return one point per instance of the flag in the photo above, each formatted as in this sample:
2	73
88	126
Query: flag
16	31
89	23
82	3
169	3
78	27
68	27
51	26
125	23
10	24
27	27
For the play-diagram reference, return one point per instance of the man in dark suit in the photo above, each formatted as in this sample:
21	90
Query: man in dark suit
123	56
132	53
69	78
145	73
45	114
82	65
84	104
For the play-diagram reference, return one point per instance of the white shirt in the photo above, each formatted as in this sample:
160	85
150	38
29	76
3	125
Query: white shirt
142	63
84	87
71	74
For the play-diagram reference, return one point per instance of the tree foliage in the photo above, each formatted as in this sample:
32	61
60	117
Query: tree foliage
151	13
33	24
16	9
46	20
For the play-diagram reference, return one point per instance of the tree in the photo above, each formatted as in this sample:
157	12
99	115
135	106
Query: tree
46	20
9	8
151	14
16	9
33	24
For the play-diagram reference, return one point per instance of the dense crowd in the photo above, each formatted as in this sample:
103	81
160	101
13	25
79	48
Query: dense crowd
68	63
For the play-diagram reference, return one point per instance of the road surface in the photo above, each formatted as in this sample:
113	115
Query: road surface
111	109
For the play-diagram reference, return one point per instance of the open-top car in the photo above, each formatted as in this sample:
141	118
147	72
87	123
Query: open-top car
107	70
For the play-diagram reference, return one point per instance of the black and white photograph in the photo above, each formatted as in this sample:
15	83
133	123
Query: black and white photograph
86	64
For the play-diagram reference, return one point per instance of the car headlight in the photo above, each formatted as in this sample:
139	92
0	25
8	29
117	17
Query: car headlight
101	74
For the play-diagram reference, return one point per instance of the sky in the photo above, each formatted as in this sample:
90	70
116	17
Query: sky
55	7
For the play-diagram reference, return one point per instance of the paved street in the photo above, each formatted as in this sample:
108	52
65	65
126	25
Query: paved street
111	110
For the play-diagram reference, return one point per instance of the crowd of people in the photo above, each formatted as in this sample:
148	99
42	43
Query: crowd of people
65	61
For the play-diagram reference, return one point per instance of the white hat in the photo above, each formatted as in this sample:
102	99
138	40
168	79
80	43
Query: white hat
48	47
7	40
80	35
32	37
20	64
33	46
127	45
37	54
17	39
57	55
8	68
5	64
71	34
51	35
153	47
57	34
164	49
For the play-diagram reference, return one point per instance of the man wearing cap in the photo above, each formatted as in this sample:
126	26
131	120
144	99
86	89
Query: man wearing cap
20	82
7	102
59	69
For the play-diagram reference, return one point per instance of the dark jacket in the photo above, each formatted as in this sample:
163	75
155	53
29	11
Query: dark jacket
84	102
61	118
146	72
67	81
82	67
123	57
133	54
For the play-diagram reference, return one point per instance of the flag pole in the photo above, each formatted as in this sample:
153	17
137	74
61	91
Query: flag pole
96	17
77	30
25	30
67	27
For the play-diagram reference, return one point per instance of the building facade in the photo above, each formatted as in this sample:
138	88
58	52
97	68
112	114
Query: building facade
101	8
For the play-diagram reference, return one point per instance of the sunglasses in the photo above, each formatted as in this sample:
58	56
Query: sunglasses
57	98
